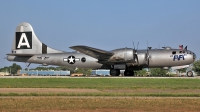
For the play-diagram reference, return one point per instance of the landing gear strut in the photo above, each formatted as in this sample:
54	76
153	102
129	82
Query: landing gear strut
114	72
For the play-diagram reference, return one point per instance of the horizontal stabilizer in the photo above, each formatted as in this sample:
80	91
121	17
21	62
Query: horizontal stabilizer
20	55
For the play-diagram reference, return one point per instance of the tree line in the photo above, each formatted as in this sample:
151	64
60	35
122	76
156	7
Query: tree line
11	69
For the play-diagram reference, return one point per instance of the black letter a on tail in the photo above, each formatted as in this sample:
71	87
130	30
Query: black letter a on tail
23	40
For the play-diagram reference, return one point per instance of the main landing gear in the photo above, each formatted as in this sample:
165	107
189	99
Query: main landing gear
116	72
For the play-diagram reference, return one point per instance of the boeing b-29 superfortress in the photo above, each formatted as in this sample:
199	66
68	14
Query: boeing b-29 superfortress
29	49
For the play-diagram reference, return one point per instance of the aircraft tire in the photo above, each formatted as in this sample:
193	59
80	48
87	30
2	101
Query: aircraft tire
128	73
190	74
114	72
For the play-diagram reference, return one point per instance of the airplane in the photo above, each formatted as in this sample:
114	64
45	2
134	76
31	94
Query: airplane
28	48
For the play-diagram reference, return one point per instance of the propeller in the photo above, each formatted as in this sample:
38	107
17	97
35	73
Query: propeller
135	53
147	54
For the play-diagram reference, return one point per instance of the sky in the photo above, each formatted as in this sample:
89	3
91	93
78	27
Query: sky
102	24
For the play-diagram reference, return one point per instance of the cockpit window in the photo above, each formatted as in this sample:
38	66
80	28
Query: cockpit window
173	52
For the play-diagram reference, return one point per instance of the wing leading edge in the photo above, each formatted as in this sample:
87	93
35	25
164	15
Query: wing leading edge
93	52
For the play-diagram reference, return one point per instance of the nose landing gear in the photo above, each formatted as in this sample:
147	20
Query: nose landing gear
190	74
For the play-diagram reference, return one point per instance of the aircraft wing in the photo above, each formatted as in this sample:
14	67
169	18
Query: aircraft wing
93	52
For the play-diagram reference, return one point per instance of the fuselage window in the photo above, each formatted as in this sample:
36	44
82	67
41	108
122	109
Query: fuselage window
174	52
180	51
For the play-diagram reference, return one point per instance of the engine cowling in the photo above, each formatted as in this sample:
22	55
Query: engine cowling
129	56
123	55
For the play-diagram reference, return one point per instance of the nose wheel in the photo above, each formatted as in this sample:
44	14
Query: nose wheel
190	74
114	72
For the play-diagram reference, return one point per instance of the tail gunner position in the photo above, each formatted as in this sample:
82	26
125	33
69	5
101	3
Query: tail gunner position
28	48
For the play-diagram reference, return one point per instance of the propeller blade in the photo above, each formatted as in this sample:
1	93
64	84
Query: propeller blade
133	45
135	55
147	56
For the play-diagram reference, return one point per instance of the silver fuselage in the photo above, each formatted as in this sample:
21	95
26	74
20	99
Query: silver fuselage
157	58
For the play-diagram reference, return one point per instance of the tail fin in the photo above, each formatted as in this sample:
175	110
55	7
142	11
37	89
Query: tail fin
26	42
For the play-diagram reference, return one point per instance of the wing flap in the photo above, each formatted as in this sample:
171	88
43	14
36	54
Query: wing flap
93	52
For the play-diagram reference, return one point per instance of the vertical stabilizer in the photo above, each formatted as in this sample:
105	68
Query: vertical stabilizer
26	42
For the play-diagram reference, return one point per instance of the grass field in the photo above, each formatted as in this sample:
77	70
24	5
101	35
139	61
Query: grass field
101	83
108	86
41	104
116	95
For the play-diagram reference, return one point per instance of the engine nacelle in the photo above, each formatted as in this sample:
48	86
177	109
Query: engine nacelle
122	55
129	56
